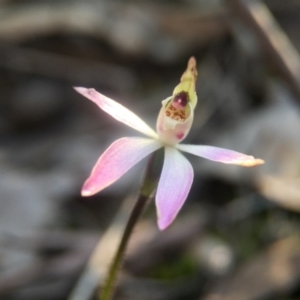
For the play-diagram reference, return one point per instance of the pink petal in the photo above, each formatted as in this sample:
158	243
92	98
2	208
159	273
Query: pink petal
221	155
120	156
117	111
174	185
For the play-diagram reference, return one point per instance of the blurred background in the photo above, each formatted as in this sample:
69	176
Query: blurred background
237	237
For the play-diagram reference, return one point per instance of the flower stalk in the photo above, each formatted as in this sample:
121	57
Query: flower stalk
147	192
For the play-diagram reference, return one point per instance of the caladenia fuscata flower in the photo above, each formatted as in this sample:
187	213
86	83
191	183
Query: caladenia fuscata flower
173	124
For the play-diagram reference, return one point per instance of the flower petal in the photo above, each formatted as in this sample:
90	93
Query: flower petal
118	111
172	131
120	156
221	155
174	185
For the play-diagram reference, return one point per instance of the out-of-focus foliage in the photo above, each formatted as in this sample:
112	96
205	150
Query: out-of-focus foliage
238	234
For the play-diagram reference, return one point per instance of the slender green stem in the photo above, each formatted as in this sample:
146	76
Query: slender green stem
147	191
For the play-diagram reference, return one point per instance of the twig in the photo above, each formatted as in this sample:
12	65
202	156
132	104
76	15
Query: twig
274	42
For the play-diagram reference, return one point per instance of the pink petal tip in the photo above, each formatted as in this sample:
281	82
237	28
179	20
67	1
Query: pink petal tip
86	193
251	162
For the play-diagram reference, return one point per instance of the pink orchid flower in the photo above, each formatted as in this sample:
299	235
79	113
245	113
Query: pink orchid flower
173	124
